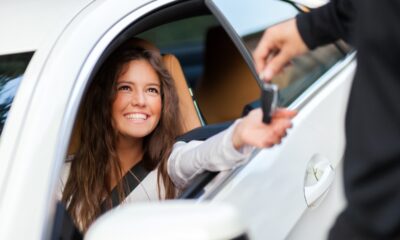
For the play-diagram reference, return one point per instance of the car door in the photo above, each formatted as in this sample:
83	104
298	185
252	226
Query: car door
293	190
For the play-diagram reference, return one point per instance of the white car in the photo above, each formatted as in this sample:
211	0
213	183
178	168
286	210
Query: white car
49	50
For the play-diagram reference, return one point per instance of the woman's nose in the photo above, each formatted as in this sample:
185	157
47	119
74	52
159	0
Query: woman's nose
138	99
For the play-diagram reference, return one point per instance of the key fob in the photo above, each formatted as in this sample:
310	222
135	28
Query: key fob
269	101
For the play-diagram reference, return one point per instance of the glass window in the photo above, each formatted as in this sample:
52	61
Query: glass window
252	16
303	71
12	68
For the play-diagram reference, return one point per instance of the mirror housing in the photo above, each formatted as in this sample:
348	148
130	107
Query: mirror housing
174	219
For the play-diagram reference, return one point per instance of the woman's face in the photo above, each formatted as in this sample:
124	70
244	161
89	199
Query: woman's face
136	109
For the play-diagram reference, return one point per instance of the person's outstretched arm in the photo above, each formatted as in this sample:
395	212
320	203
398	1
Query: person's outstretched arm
228	148
284	41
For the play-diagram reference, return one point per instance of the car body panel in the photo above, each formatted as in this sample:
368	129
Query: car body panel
30	31
319	119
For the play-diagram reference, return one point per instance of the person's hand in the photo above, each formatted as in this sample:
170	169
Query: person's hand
278	45
252	131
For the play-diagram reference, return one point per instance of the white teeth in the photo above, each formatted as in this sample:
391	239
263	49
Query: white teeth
137	116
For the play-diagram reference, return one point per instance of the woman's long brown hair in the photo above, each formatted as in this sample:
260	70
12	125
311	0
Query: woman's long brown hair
96	159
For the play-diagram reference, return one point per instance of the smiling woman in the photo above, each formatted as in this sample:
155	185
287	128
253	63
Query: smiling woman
122	135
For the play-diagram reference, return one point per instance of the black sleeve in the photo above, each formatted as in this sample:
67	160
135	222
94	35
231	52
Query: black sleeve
327	24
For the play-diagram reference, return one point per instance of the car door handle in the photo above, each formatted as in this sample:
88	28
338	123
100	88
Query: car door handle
325	179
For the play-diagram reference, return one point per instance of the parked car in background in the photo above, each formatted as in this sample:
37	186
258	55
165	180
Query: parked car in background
50	50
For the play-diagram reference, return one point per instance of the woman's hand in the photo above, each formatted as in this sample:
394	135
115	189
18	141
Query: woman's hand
252	131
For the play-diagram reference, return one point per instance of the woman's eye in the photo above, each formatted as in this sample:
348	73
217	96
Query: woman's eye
153	90
124	88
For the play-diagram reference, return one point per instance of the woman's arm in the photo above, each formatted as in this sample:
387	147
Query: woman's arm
227	149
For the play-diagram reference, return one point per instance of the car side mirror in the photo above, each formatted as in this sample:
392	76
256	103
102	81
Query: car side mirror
175	219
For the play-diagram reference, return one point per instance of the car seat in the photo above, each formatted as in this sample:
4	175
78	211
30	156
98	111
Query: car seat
227	84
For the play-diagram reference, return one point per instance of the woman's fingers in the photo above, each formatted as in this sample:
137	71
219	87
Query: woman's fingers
268	135
252	131
284	113
280	126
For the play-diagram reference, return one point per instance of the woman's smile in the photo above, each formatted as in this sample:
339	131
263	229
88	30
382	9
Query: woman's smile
137	117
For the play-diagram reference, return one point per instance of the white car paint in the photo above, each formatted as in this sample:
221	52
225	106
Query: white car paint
26	25
180	220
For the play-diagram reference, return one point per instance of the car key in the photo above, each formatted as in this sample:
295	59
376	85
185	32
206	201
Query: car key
269	100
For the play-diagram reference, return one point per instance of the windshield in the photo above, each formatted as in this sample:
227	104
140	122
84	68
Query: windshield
12	68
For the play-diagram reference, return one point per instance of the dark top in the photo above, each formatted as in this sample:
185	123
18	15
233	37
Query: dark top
372	156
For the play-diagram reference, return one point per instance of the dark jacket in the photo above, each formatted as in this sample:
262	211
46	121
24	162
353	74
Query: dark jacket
372	156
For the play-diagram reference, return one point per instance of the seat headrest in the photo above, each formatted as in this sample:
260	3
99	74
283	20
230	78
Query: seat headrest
225	71
188	111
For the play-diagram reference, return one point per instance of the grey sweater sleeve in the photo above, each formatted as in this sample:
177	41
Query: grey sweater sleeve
217	153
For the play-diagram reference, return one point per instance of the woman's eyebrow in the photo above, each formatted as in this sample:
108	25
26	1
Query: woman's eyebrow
126	82
153	84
